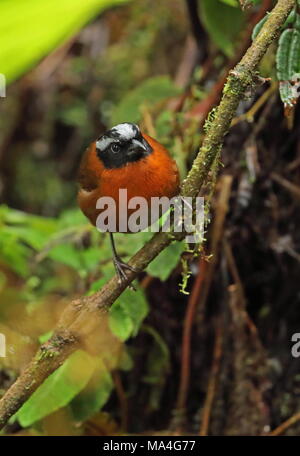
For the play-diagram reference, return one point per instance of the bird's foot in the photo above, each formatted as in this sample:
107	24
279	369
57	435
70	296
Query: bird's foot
120	267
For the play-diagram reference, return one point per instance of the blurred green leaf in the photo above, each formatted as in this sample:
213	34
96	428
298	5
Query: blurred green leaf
68	255
157	367
74	115
120	322
223	23
230	2
13	253
44	337
159	358
126	362
30	29
58	389
94	396
167	260
21	235
147	93
72	217
127	314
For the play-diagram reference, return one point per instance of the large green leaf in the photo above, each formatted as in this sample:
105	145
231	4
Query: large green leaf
58	389
223	23
94	396
30	29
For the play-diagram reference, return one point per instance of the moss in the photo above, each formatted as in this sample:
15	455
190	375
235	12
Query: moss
186	273
209	120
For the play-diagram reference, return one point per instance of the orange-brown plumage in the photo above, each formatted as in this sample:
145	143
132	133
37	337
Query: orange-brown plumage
125	159
155	175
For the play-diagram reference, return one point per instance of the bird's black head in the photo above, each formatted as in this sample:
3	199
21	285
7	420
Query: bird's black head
121	145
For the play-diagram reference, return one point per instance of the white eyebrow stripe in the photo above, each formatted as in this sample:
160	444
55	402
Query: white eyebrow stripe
104	142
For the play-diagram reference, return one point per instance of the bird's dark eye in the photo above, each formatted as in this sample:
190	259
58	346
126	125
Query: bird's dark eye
115	148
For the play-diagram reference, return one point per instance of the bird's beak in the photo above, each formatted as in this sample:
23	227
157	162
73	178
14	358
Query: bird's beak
139	146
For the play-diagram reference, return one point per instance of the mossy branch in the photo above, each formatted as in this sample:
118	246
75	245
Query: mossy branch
82	316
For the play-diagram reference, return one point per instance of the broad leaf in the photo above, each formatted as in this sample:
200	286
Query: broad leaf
94	396
58	389
223	23
30	29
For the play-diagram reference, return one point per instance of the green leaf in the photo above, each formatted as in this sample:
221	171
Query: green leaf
21	234
58	389
157	368
234	3
149	92
167	260
223	23
159	358
292	18
120	322
13	253
288	65
126	362
31	29
71	218
283	55
74	115
94	396
44	337
259	26
127	314
32	237
68	255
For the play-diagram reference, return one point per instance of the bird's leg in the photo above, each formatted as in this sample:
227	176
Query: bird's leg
120	265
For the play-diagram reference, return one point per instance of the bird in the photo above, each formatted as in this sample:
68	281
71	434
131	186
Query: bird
124	158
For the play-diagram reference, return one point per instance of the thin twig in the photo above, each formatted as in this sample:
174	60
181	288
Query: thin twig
250	114
186	338
123	400
285	425
221	210
292	188
213	380
241	294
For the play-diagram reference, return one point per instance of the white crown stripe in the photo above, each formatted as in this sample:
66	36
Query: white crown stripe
125	130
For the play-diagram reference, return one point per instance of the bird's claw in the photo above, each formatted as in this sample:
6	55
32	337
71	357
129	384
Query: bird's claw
120	266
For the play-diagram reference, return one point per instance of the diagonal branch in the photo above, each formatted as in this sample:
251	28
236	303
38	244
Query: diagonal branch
81	318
